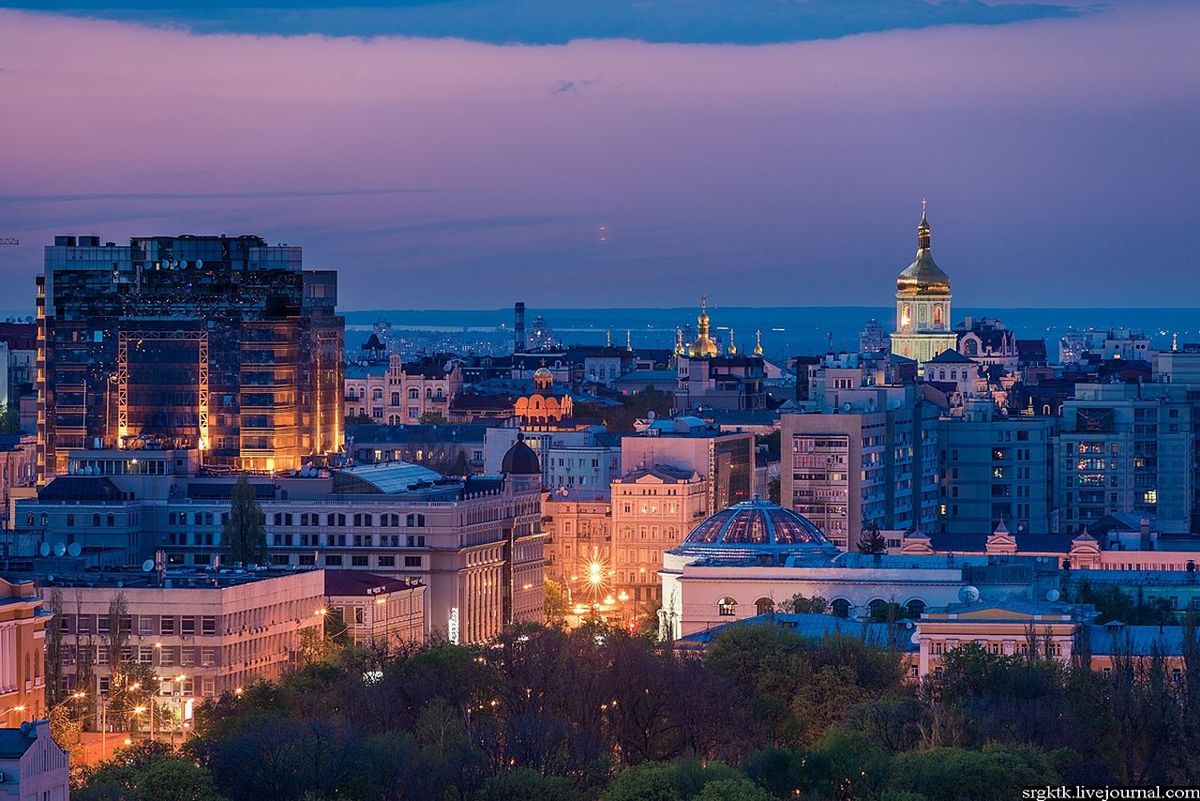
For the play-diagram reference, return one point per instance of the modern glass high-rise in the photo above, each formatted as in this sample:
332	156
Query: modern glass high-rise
220	343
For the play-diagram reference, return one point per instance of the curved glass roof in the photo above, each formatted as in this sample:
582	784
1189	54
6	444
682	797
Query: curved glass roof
386	478
755	526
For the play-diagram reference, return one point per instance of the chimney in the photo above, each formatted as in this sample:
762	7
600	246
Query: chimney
1145	531
519	327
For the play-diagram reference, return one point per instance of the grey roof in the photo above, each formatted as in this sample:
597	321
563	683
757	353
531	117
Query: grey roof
361	371
80	488
951	357
644	377
662	471
361	583
816	627
977	543
15	742
371	433
1113	639
388	477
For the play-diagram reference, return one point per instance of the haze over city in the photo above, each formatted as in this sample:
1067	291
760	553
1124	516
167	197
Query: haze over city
458	155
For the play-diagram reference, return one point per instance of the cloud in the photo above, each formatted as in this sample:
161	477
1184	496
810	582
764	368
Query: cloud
439	173
751	22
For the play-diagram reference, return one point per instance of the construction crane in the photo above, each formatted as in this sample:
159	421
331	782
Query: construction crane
8	240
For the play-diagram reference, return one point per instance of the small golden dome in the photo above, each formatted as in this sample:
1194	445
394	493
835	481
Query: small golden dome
923	276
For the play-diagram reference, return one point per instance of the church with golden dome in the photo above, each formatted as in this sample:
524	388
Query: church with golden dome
546	407
923	327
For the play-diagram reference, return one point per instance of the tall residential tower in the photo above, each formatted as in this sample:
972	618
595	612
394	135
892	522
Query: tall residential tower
220	343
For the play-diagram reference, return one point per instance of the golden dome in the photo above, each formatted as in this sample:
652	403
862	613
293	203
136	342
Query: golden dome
542	378
923	276
704	345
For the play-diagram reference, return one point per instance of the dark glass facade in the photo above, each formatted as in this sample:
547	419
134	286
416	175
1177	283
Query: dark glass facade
221	343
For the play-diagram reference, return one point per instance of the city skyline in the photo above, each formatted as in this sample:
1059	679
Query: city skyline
429	168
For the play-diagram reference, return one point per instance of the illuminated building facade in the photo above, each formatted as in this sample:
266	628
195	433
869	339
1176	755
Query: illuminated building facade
923	304
22	660
204	632
223	344
400	393
653	509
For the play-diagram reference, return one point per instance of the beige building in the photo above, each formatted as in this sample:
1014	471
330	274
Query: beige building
204	632
653	509
378	612
578	530
724	460
398	393
22	660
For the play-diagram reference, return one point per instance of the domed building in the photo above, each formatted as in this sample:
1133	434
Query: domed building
520	460
547	406
923	304
753	557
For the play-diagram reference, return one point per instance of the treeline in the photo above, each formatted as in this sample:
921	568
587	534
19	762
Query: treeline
547	715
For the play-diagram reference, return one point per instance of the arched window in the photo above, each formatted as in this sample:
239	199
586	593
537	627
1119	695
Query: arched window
395	399
377	394
937	315
764	606
878	609
840	607
726	607
972	347
941	375
414	393
914	608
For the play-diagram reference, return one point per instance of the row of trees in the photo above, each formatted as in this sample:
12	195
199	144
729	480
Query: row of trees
596	713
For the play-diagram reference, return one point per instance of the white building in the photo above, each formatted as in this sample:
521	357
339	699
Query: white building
752	557
33	766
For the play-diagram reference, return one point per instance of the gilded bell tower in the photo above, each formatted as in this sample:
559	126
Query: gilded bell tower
923	296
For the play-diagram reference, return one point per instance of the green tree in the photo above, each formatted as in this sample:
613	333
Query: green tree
524	784
359	420
54	648
949	774
798	604
737	789
432	419
243	537
554	601
871	540
10	420
146	772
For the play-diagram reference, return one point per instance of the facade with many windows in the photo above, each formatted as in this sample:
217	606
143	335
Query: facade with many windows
400	393
653	508
203	632
995	469
476	543
1130	448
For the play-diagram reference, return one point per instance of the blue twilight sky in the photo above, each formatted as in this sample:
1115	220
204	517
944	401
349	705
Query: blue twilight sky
463	153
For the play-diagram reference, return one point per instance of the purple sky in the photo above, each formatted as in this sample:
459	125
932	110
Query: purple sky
1061	158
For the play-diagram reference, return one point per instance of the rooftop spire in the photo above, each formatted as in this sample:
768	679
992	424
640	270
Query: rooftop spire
758	351
923	227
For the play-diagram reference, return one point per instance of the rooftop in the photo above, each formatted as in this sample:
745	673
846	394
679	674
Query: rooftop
385	478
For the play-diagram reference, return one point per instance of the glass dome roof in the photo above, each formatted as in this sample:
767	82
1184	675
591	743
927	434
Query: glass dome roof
755	526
